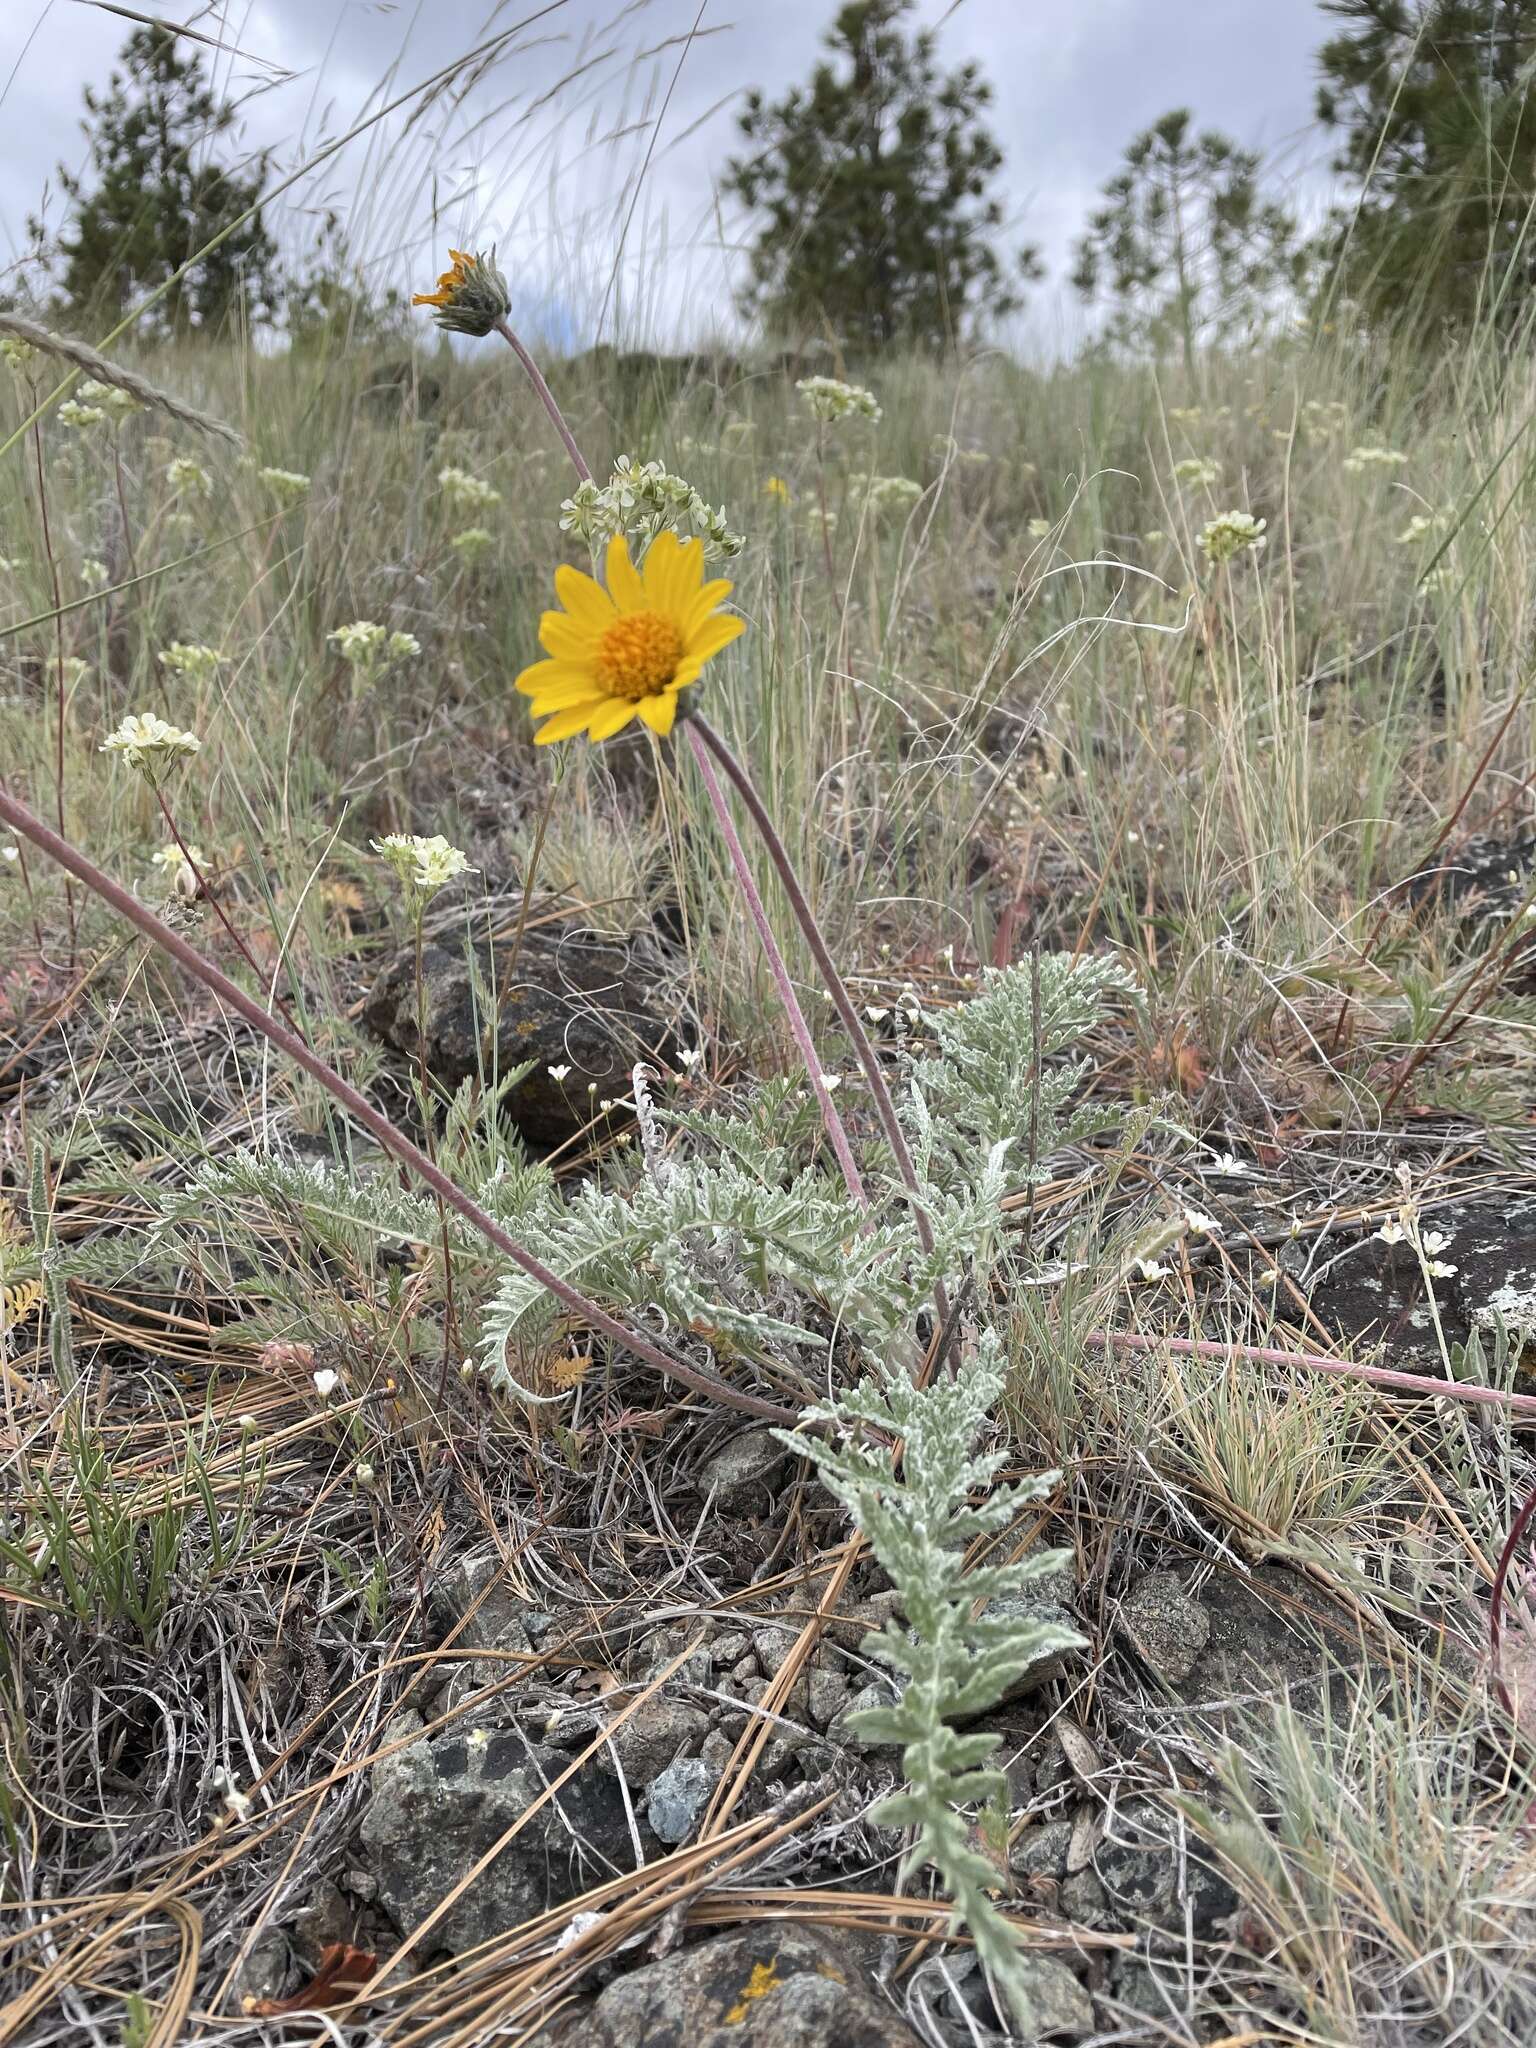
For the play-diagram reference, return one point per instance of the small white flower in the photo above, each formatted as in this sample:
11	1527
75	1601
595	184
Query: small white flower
690	1055
1219	540
72	414
423	866
93	572
180	872
1392	1233
237	1803
111	398
148	743
557	1073
326	1382
1438	1269
364	1473
465	492
831	1081
246	1423
830	400
1153	1269
10	853
1365	458
473	543
1197	470
1225	1162
185	475
191	661
16	355
876	1013
1434	1241
1201	1224
287	484
1040	529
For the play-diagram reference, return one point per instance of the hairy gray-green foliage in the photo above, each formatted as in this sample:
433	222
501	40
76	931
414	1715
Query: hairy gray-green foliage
999	1073
956	1658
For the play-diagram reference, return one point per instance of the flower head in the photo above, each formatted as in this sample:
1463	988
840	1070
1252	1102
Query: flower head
422	865
1220	539
18	356
369	646
111	398
893	494
75	415
287	484
627	651
467	492
1361	459
471	296
473	542
181	873
777	488
195	663
185	475
830	400
1198	470
147	743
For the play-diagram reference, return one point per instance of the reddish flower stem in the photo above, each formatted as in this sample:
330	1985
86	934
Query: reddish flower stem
770	945
546	399
357	1106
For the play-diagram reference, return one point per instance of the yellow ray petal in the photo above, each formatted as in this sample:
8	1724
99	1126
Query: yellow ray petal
709	599
566	724
659	712
584	598
560	696
668	588
624	582
716	632
612	717
543	675
567	639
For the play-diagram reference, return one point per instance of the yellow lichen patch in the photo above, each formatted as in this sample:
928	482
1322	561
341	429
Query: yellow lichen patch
763	1979
831	1970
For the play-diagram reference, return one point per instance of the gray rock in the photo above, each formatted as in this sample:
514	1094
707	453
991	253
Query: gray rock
879	1693
767	1986
440	1804
1165	1626
568	998
741	1472
1053	2001
1042	1852
675	1802
474	1602
826	1694
1048	1601
655	1735
774	1647
1149	1876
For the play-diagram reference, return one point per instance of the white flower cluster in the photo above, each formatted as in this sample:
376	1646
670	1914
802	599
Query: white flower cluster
185	475
641	500
147	743
72	414
1422	526
1325	415
830	400
180	873
891	495
194	663
111	399
17	356
1196	470
1360	459
1222	538
466	493
287	484
368	646
473	543
422	866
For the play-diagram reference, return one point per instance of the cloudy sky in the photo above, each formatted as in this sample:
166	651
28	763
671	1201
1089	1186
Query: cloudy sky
587	144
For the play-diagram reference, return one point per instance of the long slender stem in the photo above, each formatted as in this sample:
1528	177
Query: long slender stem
770	945
58	622
357	1106
547	400
207	895
700	729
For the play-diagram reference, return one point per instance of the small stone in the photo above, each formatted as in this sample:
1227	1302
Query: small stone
773	1647
879	1693
1165	1626
675	1802
1053	2001
826	1693
1042	1852
655	1735
765	1986
741	1472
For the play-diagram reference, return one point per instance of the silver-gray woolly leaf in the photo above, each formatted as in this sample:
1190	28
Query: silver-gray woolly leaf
957	1663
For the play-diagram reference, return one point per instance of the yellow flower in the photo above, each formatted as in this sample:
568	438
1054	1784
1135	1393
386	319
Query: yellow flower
470	298
777	488
448	283
627	651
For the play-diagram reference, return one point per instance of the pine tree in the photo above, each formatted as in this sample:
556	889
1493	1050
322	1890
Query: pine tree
1431	100
1184	249
873	183
157	194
